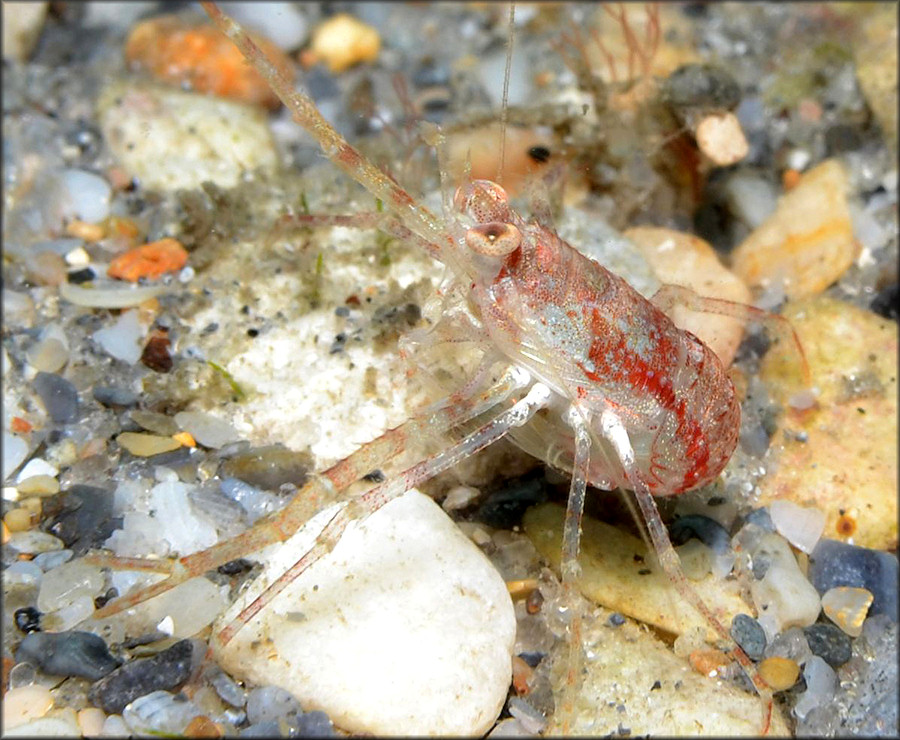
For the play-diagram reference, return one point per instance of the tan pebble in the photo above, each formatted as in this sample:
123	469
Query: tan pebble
18	520
780	673
721	138
847	607
202	727
807	243
521	675
5	537
32	504
145	445
39	485
92	447
25	703
46	268
342	41
521	589
90	720
708	662
86	231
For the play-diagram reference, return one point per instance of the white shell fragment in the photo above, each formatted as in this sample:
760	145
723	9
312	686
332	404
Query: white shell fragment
800	525
847	607
405	628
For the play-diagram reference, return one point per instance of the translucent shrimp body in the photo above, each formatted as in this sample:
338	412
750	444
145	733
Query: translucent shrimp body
589	336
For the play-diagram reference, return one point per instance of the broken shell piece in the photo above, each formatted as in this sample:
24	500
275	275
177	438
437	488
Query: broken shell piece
721	138
847	607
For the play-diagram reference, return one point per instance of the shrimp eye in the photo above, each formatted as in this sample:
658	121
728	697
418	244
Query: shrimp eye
494	239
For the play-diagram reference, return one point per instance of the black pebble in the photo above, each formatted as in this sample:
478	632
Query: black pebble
84	275
887	302
708	531
833	563
163	672
58	395
86	519
28	619
72	653
503	509
749	634
829	642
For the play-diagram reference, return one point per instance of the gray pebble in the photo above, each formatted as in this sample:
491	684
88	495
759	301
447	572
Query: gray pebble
58	396
829	642
270	703
72	653
110	396
315	724
701	86
749	634
167	670
50	560
269	728
833	563
268	467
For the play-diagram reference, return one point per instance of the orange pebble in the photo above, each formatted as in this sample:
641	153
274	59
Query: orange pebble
709	662
790	178
185	438
4	538
202	726
19	425
521	675
149	260
202	57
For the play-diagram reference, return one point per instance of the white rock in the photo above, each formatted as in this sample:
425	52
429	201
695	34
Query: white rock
63	585
15	450
751	198
283	23
783	597
37	466
123	339
23	704
85	195
171	139
800	525
821	681
405	628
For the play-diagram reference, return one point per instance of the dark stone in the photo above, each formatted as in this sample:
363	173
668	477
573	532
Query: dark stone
268	467
84	275
28	619
833	563
841	138
110	396
701	86
156	353
85	520
166	671
708	531
761	518
829	642
58	396
615	620
887	302
532	659
71	653
749	634
503	508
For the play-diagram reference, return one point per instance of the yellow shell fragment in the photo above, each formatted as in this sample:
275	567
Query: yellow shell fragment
847	607
780	673
343	41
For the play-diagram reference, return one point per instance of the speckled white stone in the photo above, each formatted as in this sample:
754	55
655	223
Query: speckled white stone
405	628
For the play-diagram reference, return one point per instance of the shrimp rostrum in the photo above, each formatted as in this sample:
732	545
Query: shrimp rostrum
595	380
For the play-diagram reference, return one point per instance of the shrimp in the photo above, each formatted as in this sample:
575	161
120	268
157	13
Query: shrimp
593	378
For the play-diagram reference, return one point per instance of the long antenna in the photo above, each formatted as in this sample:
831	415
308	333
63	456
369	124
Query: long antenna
505	103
